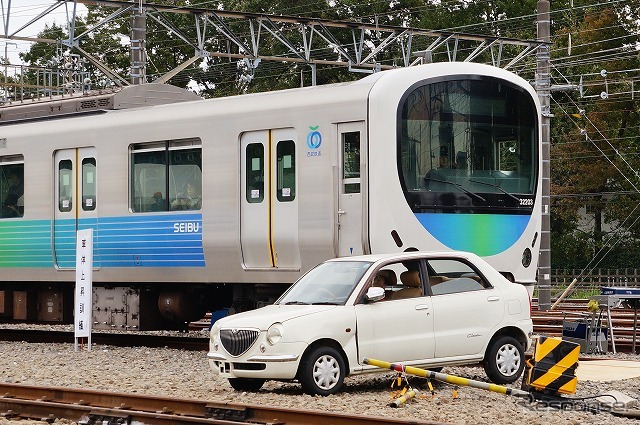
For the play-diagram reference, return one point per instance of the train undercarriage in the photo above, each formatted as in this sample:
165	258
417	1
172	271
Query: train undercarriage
133	307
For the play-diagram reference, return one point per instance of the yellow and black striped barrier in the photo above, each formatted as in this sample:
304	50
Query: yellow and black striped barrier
452	379
553	366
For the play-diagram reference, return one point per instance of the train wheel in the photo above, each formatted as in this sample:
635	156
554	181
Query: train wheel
322	371
246	384
504	361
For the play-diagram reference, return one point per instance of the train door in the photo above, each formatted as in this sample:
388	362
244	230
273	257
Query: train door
269	200
74	190
350	214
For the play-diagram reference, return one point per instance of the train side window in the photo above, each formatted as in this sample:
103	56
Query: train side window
89	184
65	185
12	186
166	175
185	178
286	177
351	161
149	178
255	173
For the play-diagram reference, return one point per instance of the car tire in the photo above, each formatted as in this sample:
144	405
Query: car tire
504	361
322	371
246	384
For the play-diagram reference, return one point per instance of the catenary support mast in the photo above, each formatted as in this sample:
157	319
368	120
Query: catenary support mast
543	87
138	37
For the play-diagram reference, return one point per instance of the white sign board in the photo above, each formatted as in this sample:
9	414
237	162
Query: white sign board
84	287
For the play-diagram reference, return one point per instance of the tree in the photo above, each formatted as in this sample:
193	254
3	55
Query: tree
593	137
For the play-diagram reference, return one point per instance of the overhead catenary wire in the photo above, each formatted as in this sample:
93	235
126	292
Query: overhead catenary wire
609	244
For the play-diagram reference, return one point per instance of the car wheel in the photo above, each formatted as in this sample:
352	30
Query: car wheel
322	371
246	384
504	361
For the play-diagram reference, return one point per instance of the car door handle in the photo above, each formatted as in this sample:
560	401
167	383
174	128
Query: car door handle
422	307
493	298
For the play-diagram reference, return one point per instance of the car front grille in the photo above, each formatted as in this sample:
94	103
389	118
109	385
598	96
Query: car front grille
238	341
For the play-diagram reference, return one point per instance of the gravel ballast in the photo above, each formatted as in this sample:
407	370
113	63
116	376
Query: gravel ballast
186	374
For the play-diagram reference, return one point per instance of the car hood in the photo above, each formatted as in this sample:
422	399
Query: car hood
264	317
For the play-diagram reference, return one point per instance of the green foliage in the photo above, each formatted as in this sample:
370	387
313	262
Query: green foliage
593	151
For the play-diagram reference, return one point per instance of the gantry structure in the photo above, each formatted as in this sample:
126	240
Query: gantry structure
253	38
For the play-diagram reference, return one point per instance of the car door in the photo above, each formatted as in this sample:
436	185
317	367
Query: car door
466	308
396	330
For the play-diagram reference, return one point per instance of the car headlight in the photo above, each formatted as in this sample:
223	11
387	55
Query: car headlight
274	333
214	331
214	337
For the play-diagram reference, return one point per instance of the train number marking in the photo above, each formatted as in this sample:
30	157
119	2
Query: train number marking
526	202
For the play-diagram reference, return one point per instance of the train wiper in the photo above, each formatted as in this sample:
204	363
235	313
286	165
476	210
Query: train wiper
295	303
326	303
515	198
459	186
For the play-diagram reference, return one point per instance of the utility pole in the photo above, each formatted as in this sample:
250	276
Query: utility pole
543	87
138	50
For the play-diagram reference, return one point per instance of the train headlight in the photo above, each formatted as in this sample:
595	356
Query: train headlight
274	333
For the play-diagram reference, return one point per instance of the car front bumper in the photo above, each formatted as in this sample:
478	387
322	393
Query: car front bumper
281	363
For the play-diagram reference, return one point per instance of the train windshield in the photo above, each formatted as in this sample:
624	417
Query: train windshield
468	146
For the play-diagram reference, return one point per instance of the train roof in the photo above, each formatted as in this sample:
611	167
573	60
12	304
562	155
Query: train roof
153	94
94	102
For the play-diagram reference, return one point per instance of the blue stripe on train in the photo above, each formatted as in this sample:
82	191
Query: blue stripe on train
163	240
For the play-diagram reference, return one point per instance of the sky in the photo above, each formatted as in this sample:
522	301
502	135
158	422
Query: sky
20	13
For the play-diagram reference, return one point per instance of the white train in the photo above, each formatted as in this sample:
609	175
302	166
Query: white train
432	157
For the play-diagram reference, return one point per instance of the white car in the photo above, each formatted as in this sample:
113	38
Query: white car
438	309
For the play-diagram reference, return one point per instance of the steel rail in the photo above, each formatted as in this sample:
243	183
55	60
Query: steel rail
106	338
36	402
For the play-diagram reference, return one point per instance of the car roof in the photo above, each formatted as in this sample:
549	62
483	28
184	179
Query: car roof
407	255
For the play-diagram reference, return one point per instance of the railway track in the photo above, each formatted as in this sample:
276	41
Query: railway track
550	322
99	407
105	338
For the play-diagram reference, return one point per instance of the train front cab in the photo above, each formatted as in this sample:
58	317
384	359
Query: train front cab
466	169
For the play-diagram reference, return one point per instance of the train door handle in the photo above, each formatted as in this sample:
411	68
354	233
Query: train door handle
340	212
493	298
422	307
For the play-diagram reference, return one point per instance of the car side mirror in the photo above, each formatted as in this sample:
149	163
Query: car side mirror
375	293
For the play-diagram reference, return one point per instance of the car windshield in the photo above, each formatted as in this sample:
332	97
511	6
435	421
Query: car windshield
328	283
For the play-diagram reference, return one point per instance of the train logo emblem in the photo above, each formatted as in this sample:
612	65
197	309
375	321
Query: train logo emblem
314	138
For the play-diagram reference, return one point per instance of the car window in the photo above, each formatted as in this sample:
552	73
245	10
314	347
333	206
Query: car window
327	283
448	276
400	280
